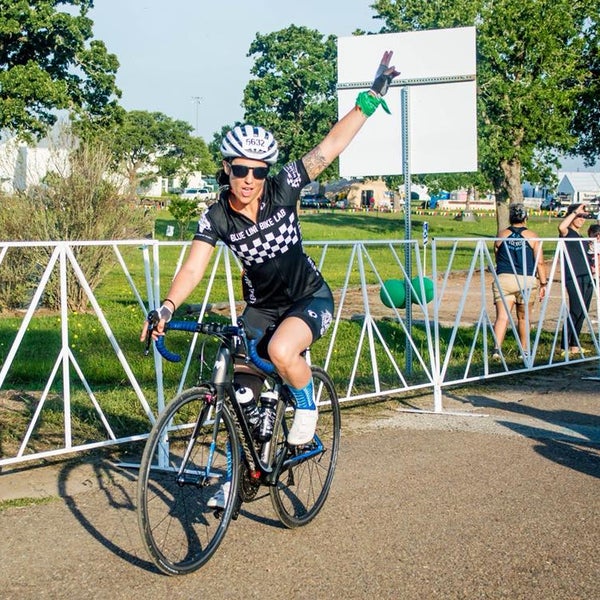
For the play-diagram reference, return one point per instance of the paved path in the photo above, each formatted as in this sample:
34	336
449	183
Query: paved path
504	504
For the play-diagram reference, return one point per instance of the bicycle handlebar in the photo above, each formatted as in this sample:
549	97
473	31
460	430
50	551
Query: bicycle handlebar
264	365
216	329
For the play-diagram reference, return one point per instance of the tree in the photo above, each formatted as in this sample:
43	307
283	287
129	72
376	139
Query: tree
49	62
529	74
183	211
149	144
294	90
214	146
192	155
586	124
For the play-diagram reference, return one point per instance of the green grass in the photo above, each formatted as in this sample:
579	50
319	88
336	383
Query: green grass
25	502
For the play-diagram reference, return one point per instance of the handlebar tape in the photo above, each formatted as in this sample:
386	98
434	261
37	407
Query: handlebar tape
165	352
261	363
191	326
182	326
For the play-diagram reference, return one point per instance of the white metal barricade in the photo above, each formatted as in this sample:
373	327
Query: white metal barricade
447	337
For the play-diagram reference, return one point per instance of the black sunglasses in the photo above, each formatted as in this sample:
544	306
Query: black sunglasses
242	171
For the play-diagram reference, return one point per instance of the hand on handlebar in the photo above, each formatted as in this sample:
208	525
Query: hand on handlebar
154	327
155	323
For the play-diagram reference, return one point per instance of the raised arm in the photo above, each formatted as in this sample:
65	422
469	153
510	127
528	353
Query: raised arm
342	133
576	211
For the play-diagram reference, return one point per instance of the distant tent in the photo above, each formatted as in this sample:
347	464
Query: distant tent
579	186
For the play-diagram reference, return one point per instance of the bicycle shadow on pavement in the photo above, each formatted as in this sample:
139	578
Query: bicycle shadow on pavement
116	529
255	510
571	438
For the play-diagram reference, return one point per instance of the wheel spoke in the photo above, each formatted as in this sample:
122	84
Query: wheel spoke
302	487
185	462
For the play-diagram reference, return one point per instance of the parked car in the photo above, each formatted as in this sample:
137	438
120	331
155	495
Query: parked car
550	204
201	194
314	201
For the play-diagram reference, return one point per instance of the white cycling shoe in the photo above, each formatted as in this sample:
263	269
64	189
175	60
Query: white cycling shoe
219	499
303	427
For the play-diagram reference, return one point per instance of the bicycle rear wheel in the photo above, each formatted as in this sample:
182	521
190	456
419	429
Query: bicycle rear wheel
185	461
303	485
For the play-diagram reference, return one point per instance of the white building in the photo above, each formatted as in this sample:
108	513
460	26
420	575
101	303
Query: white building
579	186
22	166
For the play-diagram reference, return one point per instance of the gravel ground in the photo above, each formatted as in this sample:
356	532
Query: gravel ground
497	498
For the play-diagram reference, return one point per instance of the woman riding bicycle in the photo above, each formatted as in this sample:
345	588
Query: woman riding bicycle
256	216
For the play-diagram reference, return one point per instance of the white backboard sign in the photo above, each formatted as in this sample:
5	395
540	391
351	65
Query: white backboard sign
442	117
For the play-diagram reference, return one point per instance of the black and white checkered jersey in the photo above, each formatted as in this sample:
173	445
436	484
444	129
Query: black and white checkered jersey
276	269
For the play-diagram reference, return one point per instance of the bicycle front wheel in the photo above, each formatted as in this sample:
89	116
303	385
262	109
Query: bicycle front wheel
188	456
306	472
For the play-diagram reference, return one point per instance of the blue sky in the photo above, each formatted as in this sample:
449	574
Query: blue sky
171	52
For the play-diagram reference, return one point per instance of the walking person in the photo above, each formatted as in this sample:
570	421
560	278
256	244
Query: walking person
576	276
594	247
256	216
519	266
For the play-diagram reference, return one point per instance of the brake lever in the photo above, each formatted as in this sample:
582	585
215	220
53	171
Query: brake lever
153	319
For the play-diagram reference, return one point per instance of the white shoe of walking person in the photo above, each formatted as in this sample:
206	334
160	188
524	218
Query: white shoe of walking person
304	426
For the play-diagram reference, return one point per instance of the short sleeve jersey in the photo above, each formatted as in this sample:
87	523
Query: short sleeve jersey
276	269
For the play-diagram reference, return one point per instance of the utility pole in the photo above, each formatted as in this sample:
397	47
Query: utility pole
197	100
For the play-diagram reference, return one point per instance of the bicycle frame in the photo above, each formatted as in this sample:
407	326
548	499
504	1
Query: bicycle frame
231	340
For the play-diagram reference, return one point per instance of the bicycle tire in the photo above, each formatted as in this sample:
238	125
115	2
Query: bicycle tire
301	490
179	530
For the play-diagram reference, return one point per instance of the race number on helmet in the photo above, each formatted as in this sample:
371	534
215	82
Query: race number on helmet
249	141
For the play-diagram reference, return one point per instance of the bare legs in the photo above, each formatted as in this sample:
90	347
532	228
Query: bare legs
290	339
502	320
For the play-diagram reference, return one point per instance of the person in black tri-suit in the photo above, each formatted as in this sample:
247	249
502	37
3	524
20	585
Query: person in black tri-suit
576	276
256	216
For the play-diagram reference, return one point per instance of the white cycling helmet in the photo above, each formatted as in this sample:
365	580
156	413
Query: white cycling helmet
249	141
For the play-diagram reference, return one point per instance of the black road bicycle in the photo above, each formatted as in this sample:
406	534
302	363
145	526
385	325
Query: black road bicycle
202	439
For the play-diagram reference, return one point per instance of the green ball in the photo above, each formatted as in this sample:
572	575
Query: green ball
415	294
397	293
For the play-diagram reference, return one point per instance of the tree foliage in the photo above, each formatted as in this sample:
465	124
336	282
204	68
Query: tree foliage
148	144
49	62
530	77
183	211
294	89
77	203
586	126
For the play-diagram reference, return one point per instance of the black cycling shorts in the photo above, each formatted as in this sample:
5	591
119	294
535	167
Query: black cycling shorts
316	311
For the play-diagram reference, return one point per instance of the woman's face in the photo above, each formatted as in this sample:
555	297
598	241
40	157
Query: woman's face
245	187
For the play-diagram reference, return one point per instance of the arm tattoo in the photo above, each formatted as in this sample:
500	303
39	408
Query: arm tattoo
315	163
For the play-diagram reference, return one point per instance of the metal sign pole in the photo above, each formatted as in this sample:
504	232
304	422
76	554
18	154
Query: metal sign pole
404	111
